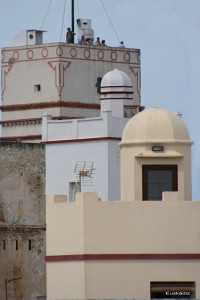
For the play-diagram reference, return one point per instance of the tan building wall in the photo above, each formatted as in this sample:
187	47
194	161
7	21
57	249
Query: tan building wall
22	220
114	234
123	248
113	279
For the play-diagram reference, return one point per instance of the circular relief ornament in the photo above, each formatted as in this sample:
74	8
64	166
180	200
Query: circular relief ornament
100	54
59	51
16	55
87	53
30	54
44	52
113	55
127	56
73	52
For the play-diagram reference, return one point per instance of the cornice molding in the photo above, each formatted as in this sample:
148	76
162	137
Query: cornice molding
21	138
154	256
41	105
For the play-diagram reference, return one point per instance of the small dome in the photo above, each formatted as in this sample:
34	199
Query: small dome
116	78
155	125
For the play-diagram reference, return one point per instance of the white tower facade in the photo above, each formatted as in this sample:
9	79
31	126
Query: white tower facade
60	79
92	140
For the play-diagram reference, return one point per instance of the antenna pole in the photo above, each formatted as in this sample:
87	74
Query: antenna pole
72	7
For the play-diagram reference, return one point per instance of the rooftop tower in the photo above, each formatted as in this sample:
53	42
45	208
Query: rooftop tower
58	78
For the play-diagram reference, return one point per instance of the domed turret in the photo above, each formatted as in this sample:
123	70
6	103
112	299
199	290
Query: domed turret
116	79
155	125
155	156
117	94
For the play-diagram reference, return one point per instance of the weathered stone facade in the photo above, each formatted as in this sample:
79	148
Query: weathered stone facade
22	220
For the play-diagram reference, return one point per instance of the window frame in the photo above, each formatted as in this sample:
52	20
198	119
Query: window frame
98	84
146	168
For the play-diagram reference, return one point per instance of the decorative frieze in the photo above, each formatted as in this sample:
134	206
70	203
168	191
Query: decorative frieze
26	122
42	105
33	137
59	67
62	50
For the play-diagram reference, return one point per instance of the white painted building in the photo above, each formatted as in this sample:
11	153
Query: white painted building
145	246
91	140
59	78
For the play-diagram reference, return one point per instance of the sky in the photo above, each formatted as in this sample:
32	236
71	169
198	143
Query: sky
166	31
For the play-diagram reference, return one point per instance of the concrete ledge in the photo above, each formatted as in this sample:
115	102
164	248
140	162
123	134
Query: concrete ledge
87	197
170	196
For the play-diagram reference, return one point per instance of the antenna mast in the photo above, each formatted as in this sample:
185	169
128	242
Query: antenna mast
72	16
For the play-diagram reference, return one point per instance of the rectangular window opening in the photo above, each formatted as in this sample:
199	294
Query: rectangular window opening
4	244
175	290
157	179
29	245
17	245
37	88
98	84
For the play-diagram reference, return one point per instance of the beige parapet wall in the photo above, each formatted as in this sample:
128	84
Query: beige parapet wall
105	250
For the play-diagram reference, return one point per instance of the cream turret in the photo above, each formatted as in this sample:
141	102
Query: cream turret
155	143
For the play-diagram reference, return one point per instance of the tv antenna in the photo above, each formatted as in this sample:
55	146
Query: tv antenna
83	173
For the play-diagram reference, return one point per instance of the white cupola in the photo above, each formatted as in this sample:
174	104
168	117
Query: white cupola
117	94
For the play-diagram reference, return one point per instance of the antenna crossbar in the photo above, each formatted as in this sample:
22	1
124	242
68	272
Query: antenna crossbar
83	172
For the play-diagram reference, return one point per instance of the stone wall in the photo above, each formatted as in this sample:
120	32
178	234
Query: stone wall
22	220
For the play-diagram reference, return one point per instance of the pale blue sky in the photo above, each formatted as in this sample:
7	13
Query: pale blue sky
166	31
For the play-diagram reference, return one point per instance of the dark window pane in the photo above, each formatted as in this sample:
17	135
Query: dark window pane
153	176
153	191
98	84
158	179
166	176
165	187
